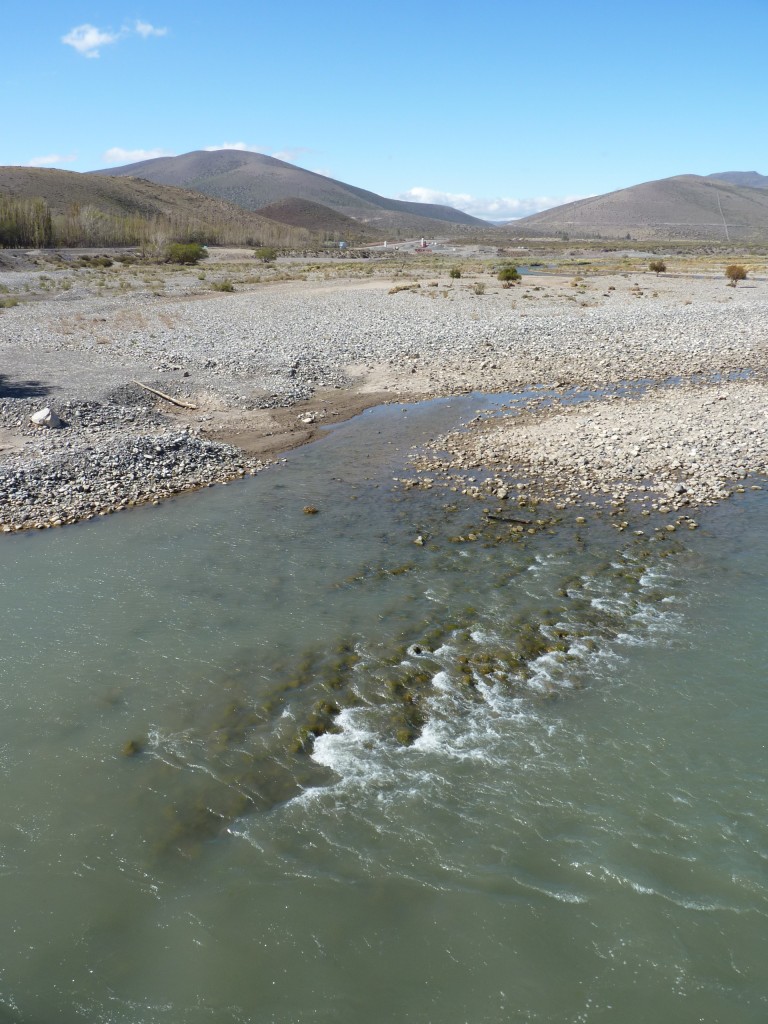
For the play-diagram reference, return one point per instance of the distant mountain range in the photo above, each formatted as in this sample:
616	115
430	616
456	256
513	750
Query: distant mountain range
248	195
254	181
727	207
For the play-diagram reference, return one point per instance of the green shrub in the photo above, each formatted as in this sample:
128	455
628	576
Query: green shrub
266	254
454	273
188	254
508	276
658	267
223	286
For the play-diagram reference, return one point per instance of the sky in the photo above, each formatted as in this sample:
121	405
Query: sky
500	109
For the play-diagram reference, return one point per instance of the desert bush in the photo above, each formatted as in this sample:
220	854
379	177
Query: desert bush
508	276
187	253
223	286
266	254
454	273
479	288
735	273
93	261
658	267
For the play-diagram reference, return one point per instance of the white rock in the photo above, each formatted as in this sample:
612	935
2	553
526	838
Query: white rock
45	418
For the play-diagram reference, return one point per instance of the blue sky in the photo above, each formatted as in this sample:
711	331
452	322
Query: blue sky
500	109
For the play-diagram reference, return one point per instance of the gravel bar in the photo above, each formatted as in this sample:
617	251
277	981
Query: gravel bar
275	346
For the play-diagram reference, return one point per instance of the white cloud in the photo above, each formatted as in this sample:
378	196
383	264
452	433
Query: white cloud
144	29
242	146
87	39
117	155
51	161
289	155
502	208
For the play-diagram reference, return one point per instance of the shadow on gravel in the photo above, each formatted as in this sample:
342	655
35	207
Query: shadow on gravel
22	388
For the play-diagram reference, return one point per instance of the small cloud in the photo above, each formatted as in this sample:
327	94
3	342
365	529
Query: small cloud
242	146
117	155
87	39
145	30
290	154
51	161
502	208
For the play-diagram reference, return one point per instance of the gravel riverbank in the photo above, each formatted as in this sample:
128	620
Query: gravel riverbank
268	365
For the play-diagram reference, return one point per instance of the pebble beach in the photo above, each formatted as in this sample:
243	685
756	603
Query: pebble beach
245	375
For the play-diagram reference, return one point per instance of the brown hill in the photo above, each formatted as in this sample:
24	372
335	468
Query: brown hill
122	200
745	179
683	207
303	213
254	181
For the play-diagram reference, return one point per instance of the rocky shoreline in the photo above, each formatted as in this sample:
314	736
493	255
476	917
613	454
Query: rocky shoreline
263	369
655	449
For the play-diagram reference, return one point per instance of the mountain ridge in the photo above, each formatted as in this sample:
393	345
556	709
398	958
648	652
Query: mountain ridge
254	180
682	207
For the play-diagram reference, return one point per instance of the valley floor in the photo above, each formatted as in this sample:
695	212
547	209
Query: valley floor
262	358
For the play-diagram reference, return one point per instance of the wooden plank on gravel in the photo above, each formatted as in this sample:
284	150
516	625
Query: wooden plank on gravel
161	394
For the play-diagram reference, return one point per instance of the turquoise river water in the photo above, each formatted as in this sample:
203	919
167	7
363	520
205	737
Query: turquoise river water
263	766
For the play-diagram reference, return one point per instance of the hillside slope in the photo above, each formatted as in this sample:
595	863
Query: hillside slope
304	213
66	192
744	179
683	207
252	180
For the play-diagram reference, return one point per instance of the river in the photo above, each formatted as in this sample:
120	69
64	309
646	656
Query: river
386	762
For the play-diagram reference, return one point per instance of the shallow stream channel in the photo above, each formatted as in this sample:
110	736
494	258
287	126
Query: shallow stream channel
390	761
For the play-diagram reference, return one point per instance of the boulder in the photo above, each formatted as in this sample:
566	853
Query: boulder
45	418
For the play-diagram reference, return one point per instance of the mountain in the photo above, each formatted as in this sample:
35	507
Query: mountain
745	179
253	181
68	194
303	213
687	207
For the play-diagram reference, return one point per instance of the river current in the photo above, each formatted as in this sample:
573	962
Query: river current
394	761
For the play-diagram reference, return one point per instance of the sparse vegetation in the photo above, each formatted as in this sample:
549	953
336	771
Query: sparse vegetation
508	276
735	272
658	267
223	286
25	222
266	254
479	288
188	254
454	273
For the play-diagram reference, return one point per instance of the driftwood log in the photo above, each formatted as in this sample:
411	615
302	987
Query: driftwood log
161	394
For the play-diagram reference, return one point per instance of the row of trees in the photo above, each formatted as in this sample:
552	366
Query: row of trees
29	223
25	222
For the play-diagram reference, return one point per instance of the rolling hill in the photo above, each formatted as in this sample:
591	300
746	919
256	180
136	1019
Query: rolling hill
253	181
745	179
315	217
121	201
686	207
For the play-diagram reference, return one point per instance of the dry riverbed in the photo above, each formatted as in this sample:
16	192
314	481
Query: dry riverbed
293	348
